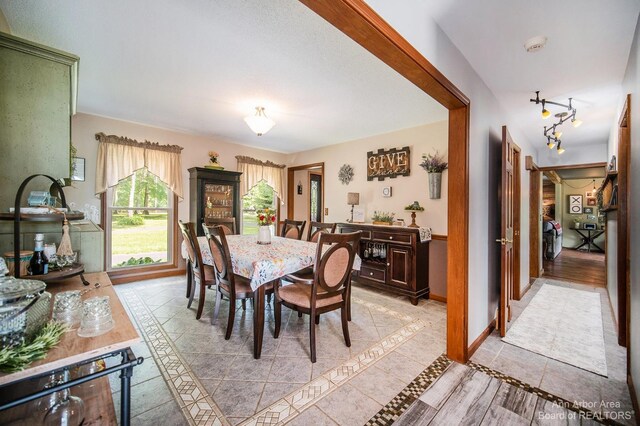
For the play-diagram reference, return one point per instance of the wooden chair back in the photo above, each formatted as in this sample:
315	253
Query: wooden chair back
216	236
292	229
315	228
228	223
332	270
193	248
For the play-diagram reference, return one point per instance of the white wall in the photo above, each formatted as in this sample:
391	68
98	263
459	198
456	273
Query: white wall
573	155
411	20
85	126
4	25
631	84
406	189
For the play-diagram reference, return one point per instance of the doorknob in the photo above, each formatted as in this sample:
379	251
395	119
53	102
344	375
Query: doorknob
504	241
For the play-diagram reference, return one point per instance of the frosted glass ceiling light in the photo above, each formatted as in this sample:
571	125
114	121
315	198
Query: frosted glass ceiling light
259	123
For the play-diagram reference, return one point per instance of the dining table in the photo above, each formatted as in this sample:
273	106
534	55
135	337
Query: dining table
262	264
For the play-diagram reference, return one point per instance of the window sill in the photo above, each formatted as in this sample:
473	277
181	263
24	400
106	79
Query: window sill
145	273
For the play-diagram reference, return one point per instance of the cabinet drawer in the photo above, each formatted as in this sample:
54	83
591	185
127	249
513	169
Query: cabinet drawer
364	235
373	274
390	236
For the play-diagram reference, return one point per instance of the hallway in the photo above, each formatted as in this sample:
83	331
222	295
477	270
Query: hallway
578	267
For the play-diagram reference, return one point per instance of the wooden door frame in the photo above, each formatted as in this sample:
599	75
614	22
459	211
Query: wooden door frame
320	173
535	201
290	183
362	24
517	218
623	261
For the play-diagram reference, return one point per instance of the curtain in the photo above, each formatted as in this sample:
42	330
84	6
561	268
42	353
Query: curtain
119	157
254	171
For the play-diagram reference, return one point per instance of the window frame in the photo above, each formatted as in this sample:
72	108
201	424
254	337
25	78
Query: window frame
133	273
275	206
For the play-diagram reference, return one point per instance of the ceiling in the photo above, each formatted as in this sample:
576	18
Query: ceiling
584	173
585	57
200	66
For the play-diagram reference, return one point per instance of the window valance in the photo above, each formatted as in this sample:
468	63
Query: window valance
254	171
119	157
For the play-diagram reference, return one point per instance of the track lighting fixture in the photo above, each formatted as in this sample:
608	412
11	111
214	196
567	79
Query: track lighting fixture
562	117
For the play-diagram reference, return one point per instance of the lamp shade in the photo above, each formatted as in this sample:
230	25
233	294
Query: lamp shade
353	198
259	123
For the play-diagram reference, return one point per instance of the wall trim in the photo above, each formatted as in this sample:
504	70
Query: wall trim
481	338
438	237
437	298
131	276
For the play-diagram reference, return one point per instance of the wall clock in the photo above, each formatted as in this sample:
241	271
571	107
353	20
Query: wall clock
346	174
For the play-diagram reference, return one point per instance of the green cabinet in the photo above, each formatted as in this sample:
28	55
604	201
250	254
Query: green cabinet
38	88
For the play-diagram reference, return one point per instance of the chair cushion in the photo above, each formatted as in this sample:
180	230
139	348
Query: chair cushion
300	295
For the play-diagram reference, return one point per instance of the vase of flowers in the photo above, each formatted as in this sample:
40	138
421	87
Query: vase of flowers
213	161
265	218
434	165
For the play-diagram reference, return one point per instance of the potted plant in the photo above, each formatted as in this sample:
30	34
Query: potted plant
265	219
434	165
413	208
382	218
213	161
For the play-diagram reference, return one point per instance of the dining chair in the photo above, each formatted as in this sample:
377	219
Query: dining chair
232	286
201	275
328	290
228	223
292	229
315	228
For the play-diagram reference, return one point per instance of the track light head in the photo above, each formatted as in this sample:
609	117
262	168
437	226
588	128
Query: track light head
575	122
560	148
545	112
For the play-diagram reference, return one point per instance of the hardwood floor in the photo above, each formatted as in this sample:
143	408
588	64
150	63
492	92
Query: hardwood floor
577	266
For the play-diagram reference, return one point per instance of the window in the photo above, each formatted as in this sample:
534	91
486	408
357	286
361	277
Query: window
139	222
259	197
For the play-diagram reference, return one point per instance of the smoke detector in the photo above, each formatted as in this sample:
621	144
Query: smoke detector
535	44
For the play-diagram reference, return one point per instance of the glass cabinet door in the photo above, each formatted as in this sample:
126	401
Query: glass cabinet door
218	202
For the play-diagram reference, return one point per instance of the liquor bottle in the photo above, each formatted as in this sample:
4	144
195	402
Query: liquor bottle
39	264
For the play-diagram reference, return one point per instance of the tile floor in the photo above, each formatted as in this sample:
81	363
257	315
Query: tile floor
600	394
191	375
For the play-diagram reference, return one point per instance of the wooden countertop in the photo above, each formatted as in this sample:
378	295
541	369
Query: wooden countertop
73	348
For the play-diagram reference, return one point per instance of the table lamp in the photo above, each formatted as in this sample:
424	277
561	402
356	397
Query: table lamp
353	198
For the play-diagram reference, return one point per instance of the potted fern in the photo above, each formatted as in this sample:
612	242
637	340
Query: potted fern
434	165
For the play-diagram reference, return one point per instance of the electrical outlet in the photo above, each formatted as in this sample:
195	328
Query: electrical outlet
326	211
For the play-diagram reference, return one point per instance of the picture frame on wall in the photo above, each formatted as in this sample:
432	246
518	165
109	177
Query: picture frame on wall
358	214
575	204
592	201
589	194
587	210
77	169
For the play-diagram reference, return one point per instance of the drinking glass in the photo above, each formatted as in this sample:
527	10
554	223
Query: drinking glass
96	317
67	307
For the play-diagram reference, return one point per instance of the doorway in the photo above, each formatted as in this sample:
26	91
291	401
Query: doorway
359	22
305	192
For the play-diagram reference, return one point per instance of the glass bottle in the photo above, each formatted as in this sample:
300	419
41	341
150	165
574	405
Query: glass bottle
39	264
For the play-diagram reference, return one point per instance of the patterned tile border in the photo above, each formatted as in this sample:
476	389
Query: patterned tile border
195	403
401	402
199	408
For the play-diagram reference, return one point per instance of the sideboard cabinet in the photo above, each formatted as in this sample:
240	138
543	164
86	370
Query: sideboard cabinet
393	259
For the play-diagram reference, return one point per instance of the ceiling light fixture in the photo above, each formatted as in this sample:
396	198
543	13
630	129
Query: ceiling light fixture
561	116
259	122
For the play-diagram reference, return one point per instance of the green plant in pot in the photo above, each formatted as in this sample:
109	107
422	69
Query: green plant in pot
382	218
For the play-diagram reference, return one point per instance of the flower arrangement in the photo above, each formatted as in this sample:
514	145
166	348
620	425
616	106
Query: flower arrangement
383	217
433	163
213	157
266	217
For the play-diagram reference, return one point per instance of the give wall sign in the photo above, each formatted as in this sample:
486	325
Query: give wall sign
391	163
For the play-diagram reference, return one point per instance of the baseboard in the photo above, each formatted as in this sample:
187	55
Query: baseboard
633	394
481	338
523	292
118	278
437	298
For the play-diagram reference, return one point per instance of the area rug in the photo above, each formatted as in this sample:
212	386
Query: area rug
564	324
